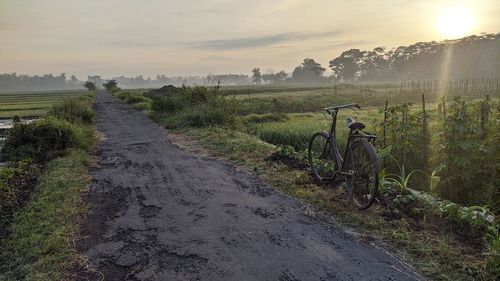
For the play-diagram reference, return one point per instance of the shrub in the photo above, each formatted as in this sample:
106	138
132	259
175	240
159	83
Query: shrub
73	111
44	140
163	91
162	104
132	98
142	106
197	106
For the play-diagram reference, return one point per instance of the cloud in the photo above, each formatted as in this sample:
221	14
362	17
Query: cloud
214	58
258	41
134	43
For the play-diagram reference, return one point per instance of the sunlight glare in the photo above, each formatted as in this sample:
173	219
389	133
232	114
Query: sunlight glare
455	22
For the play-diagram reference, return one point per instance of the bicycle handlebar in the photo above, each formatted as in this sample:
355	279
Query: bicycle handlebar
349	105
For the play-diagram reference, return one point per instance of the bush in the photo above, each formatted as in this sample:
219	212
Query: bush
44	140
197	106
132	98
163	104
73	111
142	106
163	91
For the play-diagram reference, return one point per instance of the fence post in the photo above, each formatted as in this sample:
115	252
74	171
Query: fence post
444	106
426	137
485	112
385	123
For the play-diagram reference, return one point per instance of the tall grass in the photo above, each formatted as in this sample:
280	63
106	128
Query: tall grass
197	106
75	111
297	130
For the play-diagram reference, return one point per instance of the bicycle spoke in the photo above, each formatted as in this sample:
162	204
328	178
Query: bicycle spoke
363	175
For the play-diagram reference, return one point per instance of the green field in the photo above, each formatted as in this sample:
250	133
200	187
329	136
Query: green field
24	104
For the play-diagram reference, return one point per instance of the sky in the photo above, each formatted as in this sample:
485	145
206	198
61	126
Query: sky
198	37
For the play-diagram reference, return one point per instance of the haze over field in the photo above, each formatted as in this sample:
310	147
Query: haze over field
125	37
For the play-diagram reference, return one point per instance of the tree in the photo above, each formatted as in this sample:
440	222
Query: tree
281	76
96	79
275	77
347	65
90	86
257	77
111	86
308	71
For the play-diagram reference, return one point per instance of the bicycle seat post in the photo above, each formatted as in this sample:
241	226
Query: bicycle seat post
333	130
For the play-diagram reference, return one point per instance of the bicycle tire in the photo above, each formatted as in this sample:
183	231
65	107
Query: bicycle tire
321	157
362	162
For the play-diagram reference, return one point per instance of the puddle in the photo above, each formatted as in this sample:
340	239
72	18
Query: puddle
9	123
5	125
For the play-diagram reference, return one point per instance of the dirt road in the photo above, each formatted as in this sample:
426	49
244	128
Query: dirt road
160	213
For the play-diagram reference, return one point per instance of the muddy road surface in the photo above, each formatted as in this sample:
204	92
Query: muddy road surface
160	213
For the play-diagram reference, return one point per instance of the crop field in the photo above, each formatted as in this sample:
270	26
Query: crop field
25	104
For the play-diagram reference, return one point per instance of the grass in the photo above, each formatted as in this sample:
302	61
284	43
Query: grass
40	247
297	129
25	104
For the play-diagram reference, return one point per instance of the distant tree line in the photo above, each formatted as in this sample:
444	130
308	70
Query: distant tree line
472	56
15	82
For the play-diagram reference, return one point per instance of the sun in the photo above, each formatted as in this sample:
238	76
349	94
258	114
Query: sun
455	22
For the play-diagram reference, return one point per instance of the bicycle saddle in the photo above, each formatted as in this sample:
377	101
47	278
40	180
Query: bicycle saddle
354	125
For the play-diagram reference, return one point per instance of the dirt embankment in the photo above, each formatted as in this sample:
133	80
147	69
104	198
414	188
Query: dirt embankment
160	213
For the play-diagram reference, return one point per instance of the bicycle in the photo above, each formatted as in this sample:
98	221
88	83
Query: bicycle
359	167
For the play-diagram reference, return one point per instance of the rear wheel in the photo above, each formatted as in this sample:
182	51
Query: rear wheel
321	157
363	167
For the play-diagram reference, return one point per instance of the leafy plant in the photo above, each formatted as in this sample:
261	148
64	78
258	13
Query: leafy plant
401	180
470	159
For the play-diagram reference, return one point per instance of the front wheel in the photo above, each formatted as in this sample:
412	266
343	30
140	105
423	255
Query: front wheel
363	167
321	157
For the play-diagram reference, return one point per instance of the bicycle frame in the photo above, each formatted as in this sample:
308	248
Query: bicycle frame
353	134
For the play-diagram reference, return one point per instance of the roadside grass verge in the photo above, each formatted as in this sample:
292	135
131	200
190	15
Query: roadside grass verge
430	249
40	189
40	247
